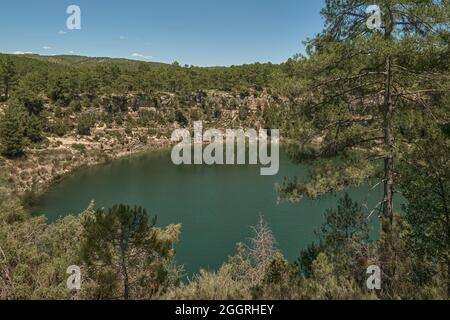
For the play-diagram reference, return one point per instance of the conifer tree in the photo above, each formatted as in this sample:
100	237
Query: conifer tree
369	72
8	74
122	249
12	132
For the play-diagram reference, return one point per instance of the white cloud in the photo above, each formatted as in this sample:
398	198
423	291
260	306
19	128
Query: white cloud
22	52
141	56
71	52
46	47
61	32
123	38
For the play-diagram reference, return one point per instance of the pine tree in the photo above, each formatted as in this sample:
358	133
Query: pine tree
12	132
360	85
122	247
8	75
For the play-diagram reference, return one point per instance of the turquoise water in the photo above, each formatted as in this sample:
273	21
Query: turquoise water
216	205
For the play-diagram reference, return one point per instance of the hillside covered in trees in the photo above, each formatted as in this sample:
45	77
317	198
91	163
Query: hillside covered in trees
360	106
67	111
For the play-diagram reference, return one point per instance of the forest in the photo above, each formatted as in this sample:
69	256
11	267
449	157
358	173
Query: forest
359	106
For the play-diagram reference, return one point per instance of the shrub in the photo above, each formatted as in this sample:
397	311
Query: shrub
84	125
79	147
59	128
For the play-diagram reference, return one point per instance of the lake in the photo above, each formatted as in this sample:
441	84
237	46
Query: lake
216	205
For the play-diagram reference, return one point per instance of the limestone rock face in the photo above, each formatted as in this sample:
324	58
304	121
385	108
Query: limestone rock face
123	124
211	99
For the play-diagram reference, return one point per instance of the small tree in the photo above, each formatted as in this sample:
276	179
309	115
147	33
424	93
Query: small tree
262	245
181	119
250	262
347	222
425	181
122	250
12	132
27	93
344	237
33	128
8	74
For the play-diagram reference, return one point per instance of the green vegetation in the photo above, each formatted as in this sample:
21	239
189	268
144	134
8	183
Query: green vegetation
121	246
12	133
64	79
35	255
9	73
355	99
122	255
425	183
370	96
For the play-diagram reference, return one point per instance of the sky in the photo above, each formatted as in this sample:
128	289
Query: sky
193	32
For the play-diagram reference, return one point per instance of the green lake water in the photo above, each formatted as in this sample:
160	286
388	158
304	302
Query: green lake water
216	205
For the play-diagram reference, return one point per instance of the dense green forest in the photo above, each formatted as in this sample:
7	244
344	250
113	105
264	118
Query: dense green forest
359	106
73	75
55	88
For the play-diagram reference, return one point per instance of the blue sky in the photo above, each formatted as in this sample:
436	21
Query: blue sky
197	32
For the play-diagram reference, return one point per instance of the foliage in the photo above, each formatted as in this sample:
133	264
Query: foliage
424	179
84	124
8	74
124	254
359	89
12	132
355	98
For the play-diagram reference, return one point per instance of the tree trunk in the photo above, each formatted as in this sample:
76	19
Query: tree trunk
387	256
388	210
126	285
6	90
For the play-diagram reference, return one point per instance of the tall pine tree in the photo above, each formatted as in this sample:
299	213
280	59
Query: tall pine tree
12	132
362	83
8	74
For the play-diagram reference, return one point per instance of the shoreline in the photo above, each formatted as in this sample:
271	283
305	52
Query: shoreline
76	154
13	170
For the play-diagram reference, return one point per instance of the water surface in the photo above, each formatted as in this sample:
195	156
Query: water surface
216	205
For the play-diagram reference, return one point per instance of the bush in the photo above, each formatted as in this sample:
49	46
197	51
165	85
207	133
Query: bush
75	106
84	125
181	119
30	199
33	128
128	129
79	147
59	128
12	132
